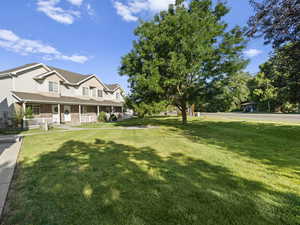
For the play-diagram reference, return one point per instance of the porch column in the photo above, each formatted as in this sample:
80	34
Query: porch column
98	110
112	109
58	107
24	117
79	113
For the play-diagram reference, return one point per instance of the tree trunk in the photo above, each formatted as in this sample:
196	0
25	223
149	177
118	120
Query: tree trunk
183	112
269	107
184	117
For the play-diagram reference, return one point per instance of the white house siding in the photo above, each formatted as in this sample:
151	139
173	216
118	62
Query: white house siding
93	82
6	99
43	85
25	82
67	90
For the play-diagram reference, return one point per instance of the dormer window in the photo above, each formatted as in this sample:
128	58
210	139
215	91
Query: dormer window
100	93
53	86
118	96
85	91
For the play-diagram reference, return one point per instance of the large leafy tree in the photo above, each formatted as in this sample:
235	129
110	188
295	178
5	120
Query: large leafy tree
278	21
179	52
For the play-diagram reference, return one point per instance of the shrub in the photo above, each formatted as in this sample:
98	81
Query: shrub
29	113
102	117
113	118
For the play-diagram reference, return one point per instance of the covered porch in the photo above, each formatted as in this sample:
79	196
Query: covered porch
66	113
65	109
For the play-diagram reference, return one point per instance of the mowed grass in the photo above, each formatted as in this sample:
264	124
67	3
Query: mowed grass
207	172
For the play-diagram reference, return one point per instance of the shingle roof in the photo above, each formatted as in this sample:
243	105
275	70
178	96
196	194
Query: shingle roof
31	97
112	87
18	68
72	77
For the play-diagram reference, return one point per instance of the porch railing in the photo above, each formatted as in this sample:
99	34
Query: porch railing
88	119
36	122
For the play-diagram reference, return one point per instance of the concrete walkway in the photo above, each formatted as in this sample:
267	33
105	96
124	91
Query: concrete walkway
8	158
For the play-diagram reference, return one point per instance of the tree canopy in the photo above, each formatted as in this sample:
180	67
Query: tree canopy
278	21
226	94
180	52
282	69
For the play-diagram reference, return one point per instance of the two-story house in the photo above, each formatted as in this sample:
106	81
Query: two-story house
56	95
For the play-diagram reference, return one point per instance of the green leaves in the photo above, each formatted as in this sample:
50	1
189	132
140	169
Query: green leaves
177	51
278	82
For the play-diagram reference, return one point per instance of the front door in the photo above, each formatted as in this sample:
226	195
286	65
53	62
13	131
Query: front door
67	113
55	115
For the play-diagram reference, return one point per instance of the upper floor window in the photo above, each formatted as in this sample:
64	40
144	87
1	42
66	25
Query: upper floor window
85	91
100	93
118	96
53	86
94	91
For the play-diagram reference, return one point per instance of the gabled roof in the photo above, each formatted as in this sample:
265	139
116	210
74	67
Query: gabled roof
112	87
18	68
72	77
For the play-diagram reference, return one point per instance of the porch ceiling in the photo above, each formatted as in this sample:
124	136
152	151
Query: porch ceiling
31	97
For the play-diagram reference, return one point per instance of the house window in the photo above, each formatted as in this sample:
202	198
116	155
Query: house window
85	91
118	96
94	91
53	86
100	93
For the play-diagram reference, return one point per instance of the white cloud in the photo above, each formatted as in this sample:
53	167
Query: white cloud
50	8
11	42
252	52
132	9
125	12
90	10
76	2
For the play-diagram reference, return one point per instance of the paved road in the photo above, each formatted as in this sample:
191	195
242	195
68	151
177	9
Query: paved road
288	118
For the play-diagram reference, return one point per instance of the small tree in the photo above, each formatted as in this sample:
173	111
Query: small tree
19	115
265	91
28	113
180	51
102	117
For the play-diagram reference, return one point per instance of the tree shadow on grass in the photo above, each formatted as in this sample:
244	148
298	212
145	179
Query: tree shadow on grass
273	144
115	184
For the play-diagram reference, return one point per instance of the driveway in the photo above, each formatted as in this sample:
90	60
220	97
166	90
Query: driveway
273	117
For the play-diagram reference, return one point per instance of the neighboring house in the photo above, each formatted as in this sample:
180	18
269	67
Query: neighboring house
56	95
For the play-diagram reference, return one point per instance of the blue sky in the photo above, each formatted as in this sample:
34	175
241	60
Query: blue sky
89	36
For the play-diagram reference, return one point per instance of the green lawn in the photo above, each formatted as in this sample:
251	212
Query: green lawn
208	172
